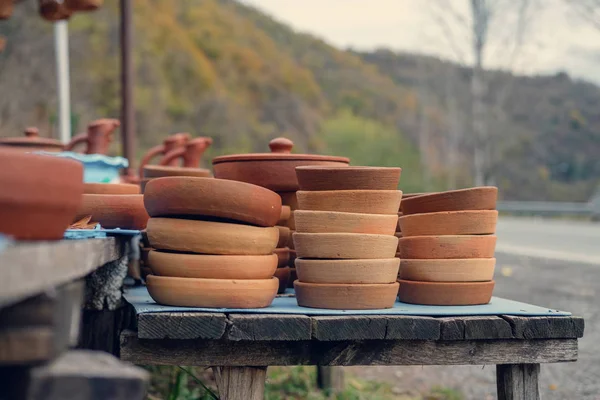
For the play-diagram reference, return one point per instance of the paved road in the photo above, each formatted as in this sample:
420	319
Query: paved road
548	263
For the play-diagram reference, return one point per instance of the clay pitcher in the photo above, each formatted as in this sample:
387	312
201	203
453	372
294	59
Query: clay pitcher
191	153
171	143
98	137
53	10
6	8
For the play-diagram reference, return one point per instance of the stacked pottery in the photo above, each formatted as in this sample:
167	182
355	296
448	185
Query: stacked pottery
345	239
447	247
212	241
283	252
404	197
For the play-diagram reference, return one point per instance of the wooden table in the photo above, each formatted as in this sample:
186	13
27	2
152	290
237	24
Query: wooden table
240	347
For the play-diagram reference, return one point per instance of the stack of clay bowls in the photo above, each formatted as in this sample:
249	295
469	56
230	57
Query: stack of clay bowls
447	247
283	251
404	197
345	239
213	242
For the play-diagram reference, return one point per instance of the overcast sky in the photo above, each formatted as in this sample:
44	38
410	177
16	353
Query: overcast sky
555	39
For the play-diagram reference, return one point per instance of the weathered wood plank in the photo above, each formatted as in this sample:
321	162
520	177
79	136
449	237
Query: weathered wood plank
339	353
268	327
363	327
31	268
181	325
412	328
545	327
518	381
475	328
241	383
101	329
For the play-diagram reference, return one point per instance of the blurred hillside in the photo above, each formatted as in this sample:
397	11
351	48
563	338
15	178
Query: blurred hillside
224	70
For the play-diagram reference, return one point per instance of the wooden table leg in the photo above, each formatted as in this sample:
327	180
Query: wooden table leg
241	383
518	381
331	379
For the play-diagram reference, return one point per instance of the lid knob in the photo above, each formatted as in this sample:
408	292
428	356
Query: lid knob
281	145
32	132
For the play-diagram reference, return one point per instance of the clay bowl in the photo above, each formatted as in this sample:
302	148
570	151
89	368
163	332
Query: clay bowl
445	293
347	271
213	293
110	188
186	265
284	236
346	296
283	257
143	183
283	275
332	221
479	198
354	201
125	211
39	195
479	222
448	270
432	247
161	171
286	213
209	237
344	245
289	199
348	178
408	196
220	198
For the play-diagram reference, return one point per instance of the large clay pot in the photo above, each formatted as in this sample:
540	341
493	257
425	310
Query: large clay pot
220	198
448	270
169	144
353	201
213	293
98	137
6	8
347	271
54	10
456	246
125	211
346	296
344	245
275	170
343	222
445	293
348	178
478	222
478	198
83	5
39	195
32	142
190	153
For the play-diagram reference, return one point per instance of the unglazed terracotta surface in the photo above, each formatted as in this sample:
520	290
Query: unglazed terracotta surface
110	188
32	142
161	171
286	213
478	198
171	143
479	222
342	222
213	293
275	170
207	237
284	236
289	199
346	296
445	293
354	201
188	196
448	270
98	137
431	247
283	275
186	265
39	195
347	271
190	153
408	196
283	257
344	245
348	178
124	211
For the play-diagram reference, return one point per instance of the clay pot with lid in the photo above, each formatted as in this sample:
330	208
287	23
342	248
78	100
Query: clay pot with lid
39	194
275	170
349	178
171	143
32	142
477	198
98	137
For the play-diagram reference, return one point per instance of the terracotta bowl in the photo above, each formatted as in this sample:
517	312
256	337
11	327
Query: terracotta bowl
286	213
213	293
448	270
408	196
346	296
110	188
348	178
185	265
289	199
161	171
344	245
283	257
354	201
432	247
479	198
125	211
143	183
189	196
347	271
337	222
39	195
445	293
480	222
207	237
283	275
284	236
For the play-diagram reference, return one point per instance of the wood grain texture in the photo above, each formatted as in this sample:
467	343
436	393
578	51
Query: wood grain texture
546	327
518	381
475	328
181	325
241	383
329	328
268	327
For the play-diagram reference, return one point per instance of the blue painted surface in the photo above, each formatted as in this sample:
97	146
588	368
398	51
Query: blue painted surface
143	303
76	234
97	168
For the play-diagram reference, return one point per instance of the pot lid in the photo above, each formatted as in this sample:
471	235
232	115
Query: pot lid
32	139
281	150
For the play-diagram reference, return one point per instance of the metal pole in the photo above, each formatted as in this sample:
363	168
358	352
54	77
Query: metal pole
61	49
127	81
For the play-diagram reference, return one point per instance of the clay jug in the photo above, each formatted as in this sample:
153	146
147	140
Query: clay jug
83	5
169	144
6	8
53	10
98	137
191	153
